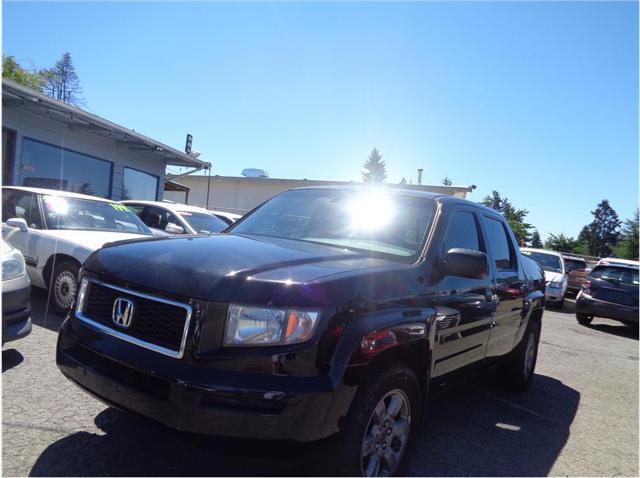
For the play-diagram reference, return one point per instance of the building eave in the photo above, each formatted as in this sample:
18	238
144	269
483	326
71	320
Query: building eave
438	188
77	118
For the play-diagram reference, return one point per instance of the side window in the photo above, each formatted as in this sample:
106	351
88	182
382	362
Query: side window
136	209
500	244
462	232
23	205
157	217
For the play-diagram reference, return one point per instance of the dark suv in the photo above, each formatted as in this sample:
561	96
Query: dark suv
611	291
324	311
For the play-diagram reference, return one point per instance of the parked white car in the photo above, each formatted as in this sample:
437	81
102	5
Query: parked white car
227	217
57	230
175	218
552	264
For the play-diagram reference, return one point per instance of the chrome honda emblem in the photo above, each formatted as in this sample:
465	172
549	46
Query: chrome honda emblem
122	313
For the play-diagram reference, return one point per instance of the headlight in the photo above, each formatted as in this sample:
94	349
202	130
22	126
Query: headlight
82	294
556	285
13	266
253	326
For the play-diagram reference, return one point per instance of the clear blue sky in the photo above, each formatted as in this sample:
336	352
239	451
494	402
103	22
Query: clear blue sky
536	100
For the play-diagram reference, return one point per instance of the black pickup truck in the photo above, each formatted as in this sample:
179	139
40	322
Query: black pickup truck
323	312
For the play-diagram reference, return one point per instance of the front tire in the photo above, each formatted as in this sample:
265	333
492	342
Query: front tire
381	426
517	369
62	289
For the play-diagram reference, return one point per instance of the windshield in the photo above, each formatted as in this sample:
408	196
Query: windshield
204	223
85	214
375	221
622	275
548	262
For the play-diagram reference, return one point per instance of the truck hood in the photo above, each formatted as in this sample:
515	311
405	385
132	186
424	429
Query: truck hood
90	240
250	269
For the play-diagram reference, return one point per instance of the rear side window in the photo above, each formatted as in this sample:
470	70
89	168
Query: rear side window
500	244
574	264
462	232
622	275
157	217
21	205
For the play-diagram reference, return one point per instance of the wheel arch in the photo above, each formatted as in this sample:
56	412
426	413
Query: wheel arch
54	259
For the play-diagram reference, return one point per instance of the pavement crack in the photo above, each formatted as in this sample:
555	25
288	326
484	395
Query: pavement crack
519	407
608	355
29	426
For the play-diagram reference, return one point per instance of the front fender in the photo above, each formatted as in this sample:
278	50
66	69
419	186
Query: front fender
369	336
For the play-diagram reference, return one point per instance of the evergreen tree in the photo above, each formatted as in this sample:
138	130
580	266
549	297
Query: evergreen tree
628	246
447	181
61	82
601	235
535	240
375	169
514	216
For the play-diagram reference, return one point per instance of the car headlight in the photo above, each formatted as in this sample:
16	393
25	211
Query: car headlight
12	266
556	285
254	326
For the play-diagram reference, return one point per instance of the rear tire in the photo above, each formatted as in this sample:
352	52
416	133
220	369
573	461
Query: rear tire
516	371
584	319
381	425
62	288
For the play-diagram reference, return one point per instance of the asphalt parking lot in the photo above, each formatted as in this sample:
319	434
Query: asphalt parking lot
580	417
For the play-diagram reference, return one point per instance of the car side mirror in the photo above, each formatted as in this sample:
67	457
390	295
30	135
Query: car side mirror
172	228
19	223
465	263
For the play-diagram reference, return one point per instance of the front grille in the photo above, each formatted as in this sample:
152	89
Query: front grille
156	322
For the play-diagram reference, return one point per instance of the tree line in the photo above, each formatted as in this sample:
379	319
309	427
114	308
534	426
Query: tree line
604	236
60	81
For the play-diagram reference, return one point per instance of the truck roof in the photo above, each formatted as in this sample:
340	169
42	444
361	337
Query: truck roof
444	198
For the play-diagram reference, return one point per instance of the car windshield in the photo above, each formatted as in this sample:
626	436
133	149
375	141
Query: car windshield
204	223
62	212
621	275
548	262
365	220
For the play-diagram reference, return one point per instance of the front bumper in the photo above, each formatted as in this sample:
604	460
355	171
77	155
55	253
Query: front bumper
554	295
16	309
191	397
585	304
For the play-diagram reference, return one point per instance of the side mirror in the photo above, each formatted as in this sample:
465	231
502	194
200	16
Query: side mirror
172	228
19	223
465	263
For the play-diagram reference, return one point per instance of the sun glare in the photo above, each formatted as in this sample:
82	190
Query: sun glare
371	210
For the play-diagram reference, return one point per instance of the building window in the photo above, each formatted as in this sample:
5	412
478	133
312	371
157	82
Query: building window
47	166
139	185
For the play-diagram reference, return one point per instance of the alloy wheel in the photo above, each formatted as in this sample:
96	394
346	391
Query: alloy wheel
386	436
530	355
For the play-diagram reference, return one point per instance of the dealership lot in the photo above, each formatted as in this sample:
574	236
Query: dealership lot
579	418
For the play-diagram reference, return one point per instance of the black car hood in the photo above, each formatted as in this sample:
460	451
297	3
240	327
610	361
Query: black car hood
256	269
